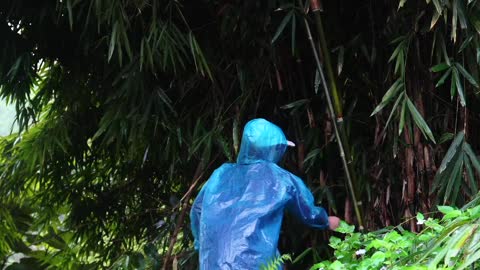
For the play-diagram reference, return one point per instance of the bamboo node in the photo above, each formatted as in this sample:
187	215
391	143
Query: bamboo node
316	6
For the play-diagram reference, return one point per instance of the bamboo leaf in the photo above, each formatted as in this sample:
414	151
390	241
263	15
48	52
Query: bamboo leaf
470	174
470	259
454	21
457	242
458	83
440	67
443	78
397	50
453	84
467	75
113	39
438	7
421	124
394	108
454	180
402	117
435	17
475	20
295	104
461	14
473	158
282	25
399	65
70	13
478	56
446	137
452	150
465	44
341	53
390	94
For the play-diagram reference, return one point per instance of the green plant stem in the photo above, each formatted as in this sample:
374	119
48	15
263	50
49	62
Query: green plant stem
332	80
331	109
324	52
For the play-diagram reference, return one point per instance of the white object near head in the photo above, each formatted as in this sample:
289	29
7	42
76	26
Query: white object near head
290	143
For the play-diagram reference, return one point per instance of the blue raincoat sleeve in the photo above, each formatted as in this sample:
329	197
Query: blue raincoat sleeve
303	207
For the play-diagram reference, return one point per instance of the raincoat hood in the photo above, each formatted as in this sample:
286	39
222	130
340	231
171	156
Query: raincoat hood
262	141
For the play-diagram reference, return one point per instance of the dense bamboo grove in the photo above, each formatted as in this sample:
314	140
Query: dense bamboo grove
126	107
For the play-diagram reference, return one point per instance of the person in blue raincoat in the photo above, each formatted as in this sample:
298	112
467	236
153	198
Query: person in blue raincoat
237	215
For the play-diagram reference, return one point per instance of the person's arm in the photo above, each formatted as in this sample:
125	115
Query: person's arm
195	214
302	206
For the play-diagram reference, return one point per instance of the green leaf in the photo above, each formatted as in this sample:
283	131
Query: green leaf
295	104
467	75
378	258
70	13
469	260
465	44
438	7
337	265
341	55
303	254
443	78
445	209
439	67
454	180
282	25
452	150
454	21
435	17
473	158
397	50
345	228
421	124
470	175
394	108
456	243
390	94
113	39
420	217
402	117
458	83
447	136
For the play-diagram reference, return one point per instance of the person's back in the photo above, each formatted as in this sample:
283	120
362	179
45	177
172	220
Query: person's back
237	216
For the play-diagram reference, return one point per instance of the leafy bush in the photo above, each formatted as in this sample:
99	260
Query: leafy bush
451	242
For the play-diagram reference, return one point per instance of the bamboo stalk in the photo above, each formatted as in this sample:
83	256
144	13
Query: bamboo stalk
331	110
324	53
332	80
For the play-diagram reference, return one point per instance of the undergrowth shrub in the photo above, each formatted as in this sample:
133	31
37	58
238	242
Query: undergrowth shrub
451	242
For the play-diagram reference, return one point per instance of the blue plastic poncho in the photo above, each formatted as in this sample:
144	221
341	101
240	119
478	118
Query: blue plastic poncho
236	217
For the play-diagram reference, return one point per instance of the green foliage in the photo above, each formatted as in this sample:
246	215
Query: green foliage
122	105
276	263
457	171
447	243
